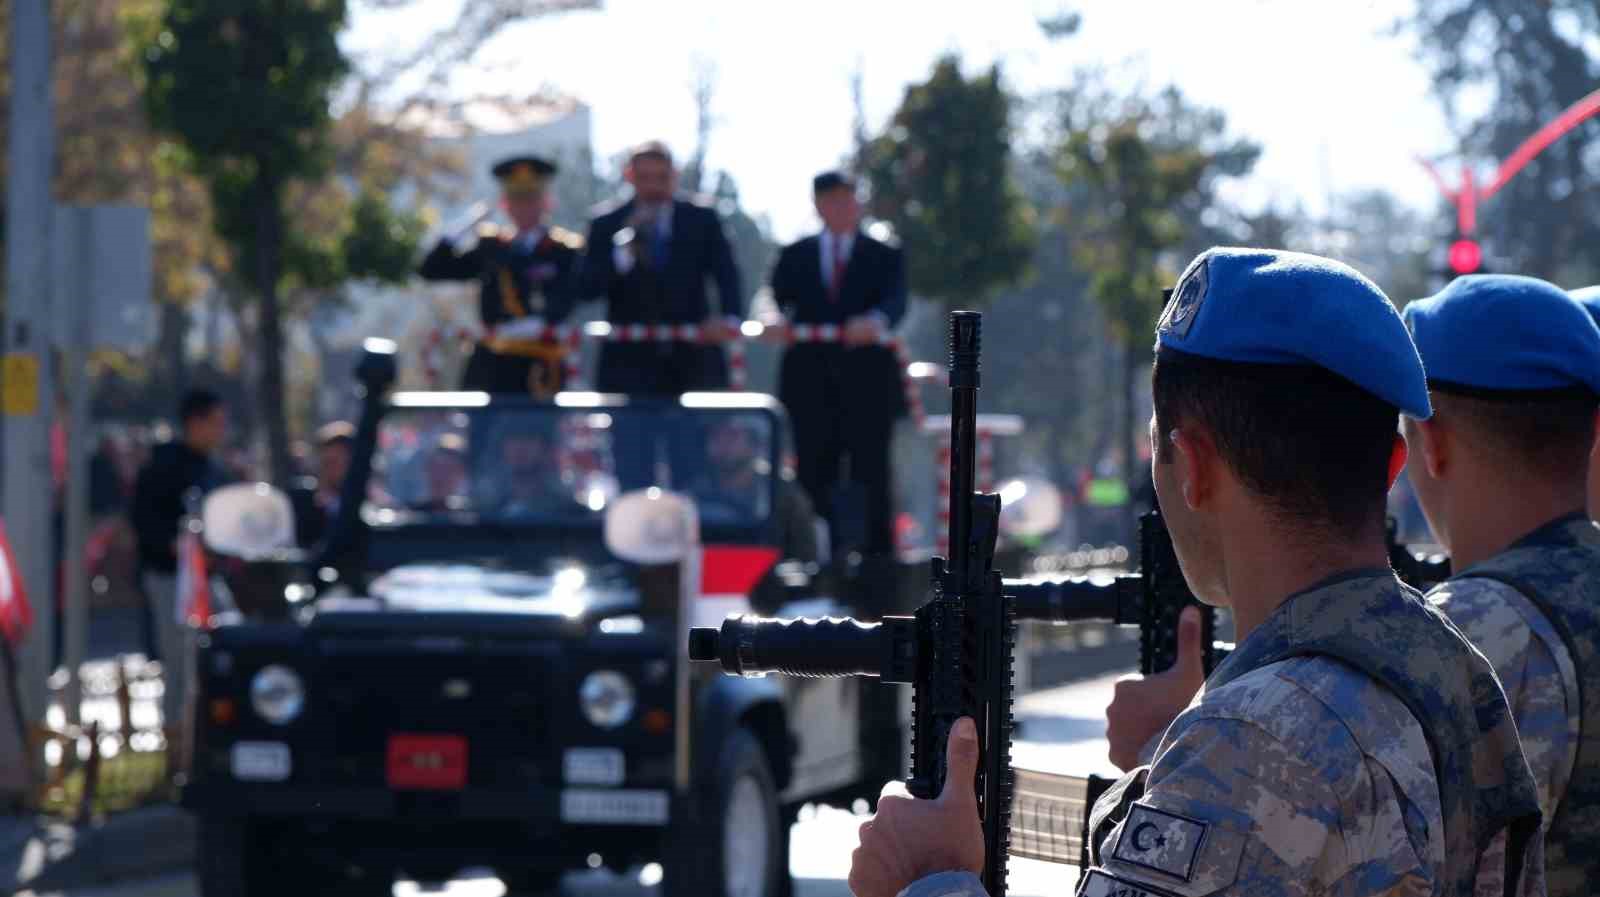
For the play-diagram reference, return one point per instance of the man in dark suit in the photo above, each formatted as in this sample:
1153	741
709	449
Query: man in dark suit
526	275
843	397
650	257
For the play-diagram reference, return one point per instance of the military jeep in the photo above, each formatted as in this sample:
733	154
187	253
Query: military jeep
485	664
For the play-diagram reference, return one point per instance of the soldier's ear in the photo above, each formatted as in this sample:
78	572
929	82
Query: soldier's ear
1436	446
1199	466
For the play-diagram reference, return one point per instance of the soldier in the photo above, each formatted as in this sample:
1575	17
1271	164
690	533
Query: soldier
844	399
1353	743
1501	472
650	257
528	273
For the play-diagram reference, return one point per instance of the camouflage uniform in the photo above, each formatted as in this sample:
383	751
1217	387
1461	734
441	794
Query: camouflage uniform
1562	562
1533	608
1306	775
1353	743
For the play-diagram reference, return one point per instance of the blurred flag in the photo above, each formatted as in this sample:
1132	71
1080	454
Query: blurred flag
16	615
194	586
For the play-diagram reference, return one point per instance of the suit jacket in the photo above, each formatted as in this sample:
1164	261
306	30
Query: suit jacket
698	251
862	384
514	282
874	280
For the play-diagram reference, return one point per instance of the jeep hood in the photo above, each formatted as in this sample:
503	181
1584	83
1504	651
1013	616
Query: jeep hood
570	593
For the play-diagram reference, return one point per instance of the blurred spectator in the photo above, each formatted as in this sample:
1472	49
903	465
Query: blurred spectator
446	475
176	469
316	499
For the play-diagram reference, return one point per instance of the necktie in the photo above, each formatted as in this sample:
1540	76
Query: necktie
839	261
658	242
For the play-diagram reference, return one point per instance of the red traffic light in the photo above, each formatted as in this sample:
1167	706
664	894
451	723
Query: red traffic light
1466	256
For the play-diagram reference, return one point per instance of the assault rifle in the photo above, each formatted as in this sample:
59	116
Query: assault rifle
956	650
1419	571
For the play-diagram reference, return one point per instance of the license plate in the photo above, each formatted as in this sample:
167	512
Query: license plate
589	806
592	766
427	762
260	761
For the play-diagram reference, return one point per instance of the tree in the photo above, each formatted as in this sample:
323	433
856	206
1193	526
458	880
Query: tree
1142	170
245	84
1524	63
940	173
106	152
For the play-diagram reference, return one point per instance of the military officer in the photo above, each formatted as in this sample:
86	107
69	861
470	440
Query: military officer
529	272
1501	472
1353	743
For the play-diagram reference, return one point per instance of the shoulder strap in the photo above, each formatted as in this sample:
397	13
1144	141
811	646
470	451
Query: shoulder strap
1558	620
1517	836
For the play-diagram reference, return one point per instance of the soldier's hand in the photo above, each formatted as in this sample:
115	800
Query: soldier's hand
1143	708
910	839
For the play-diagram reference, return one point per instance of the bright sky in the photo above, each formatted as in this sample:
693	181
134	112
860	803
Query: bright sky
1336	103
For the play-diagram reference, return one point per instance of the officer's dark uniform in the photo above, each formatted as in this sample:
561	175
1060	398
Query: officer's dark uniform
529	275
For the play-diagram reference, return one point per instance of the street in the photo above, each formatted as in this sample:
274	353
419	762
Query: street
1063	731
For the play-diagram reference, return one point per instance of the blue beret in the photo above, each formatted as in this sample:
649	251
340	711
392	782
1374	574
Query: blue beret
1589	298
1505	332
1273	307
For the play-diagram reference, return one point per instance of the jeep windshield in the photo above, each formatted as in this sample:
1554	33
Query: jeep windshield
520	463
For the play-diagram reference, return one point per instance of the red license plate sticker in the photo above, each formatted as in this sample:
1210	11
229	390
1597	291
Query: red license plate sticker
427	762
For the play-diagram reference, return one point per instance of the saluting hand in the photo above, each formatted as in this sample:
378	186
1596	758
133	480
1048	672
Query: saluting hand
910	839
1143	708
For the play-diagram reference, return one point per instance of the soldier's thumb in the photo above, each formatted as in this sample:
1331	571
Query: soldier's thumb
961	765
1191	659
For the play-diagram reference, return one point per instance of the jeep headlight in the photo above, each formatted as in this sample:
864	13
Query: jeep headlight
606	697
277	694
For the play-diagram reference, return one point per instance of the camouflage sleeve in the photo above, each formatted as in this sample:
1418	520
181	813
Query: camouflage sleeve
1232	808
946	884
1535	670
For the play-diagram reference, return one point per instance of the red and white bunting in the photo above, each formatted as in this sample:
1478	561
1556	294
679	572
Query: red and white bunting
16	614
573	336
193	606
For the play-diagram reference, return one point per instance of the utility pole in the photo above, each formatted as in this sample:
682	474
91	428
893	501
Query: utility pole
29	393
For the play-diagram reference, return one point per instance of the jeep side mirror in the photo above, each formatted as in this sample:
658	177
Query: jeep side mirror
652	526
247	520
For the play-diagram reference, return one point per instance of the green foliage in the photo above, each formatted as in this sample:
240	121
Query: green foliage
941	175
1141	176
381	243
1144	173
245	83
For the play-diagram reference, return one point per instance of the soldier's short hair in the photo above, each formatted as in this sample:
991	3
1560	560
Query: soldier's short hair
651	149
1313	445
1548	434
